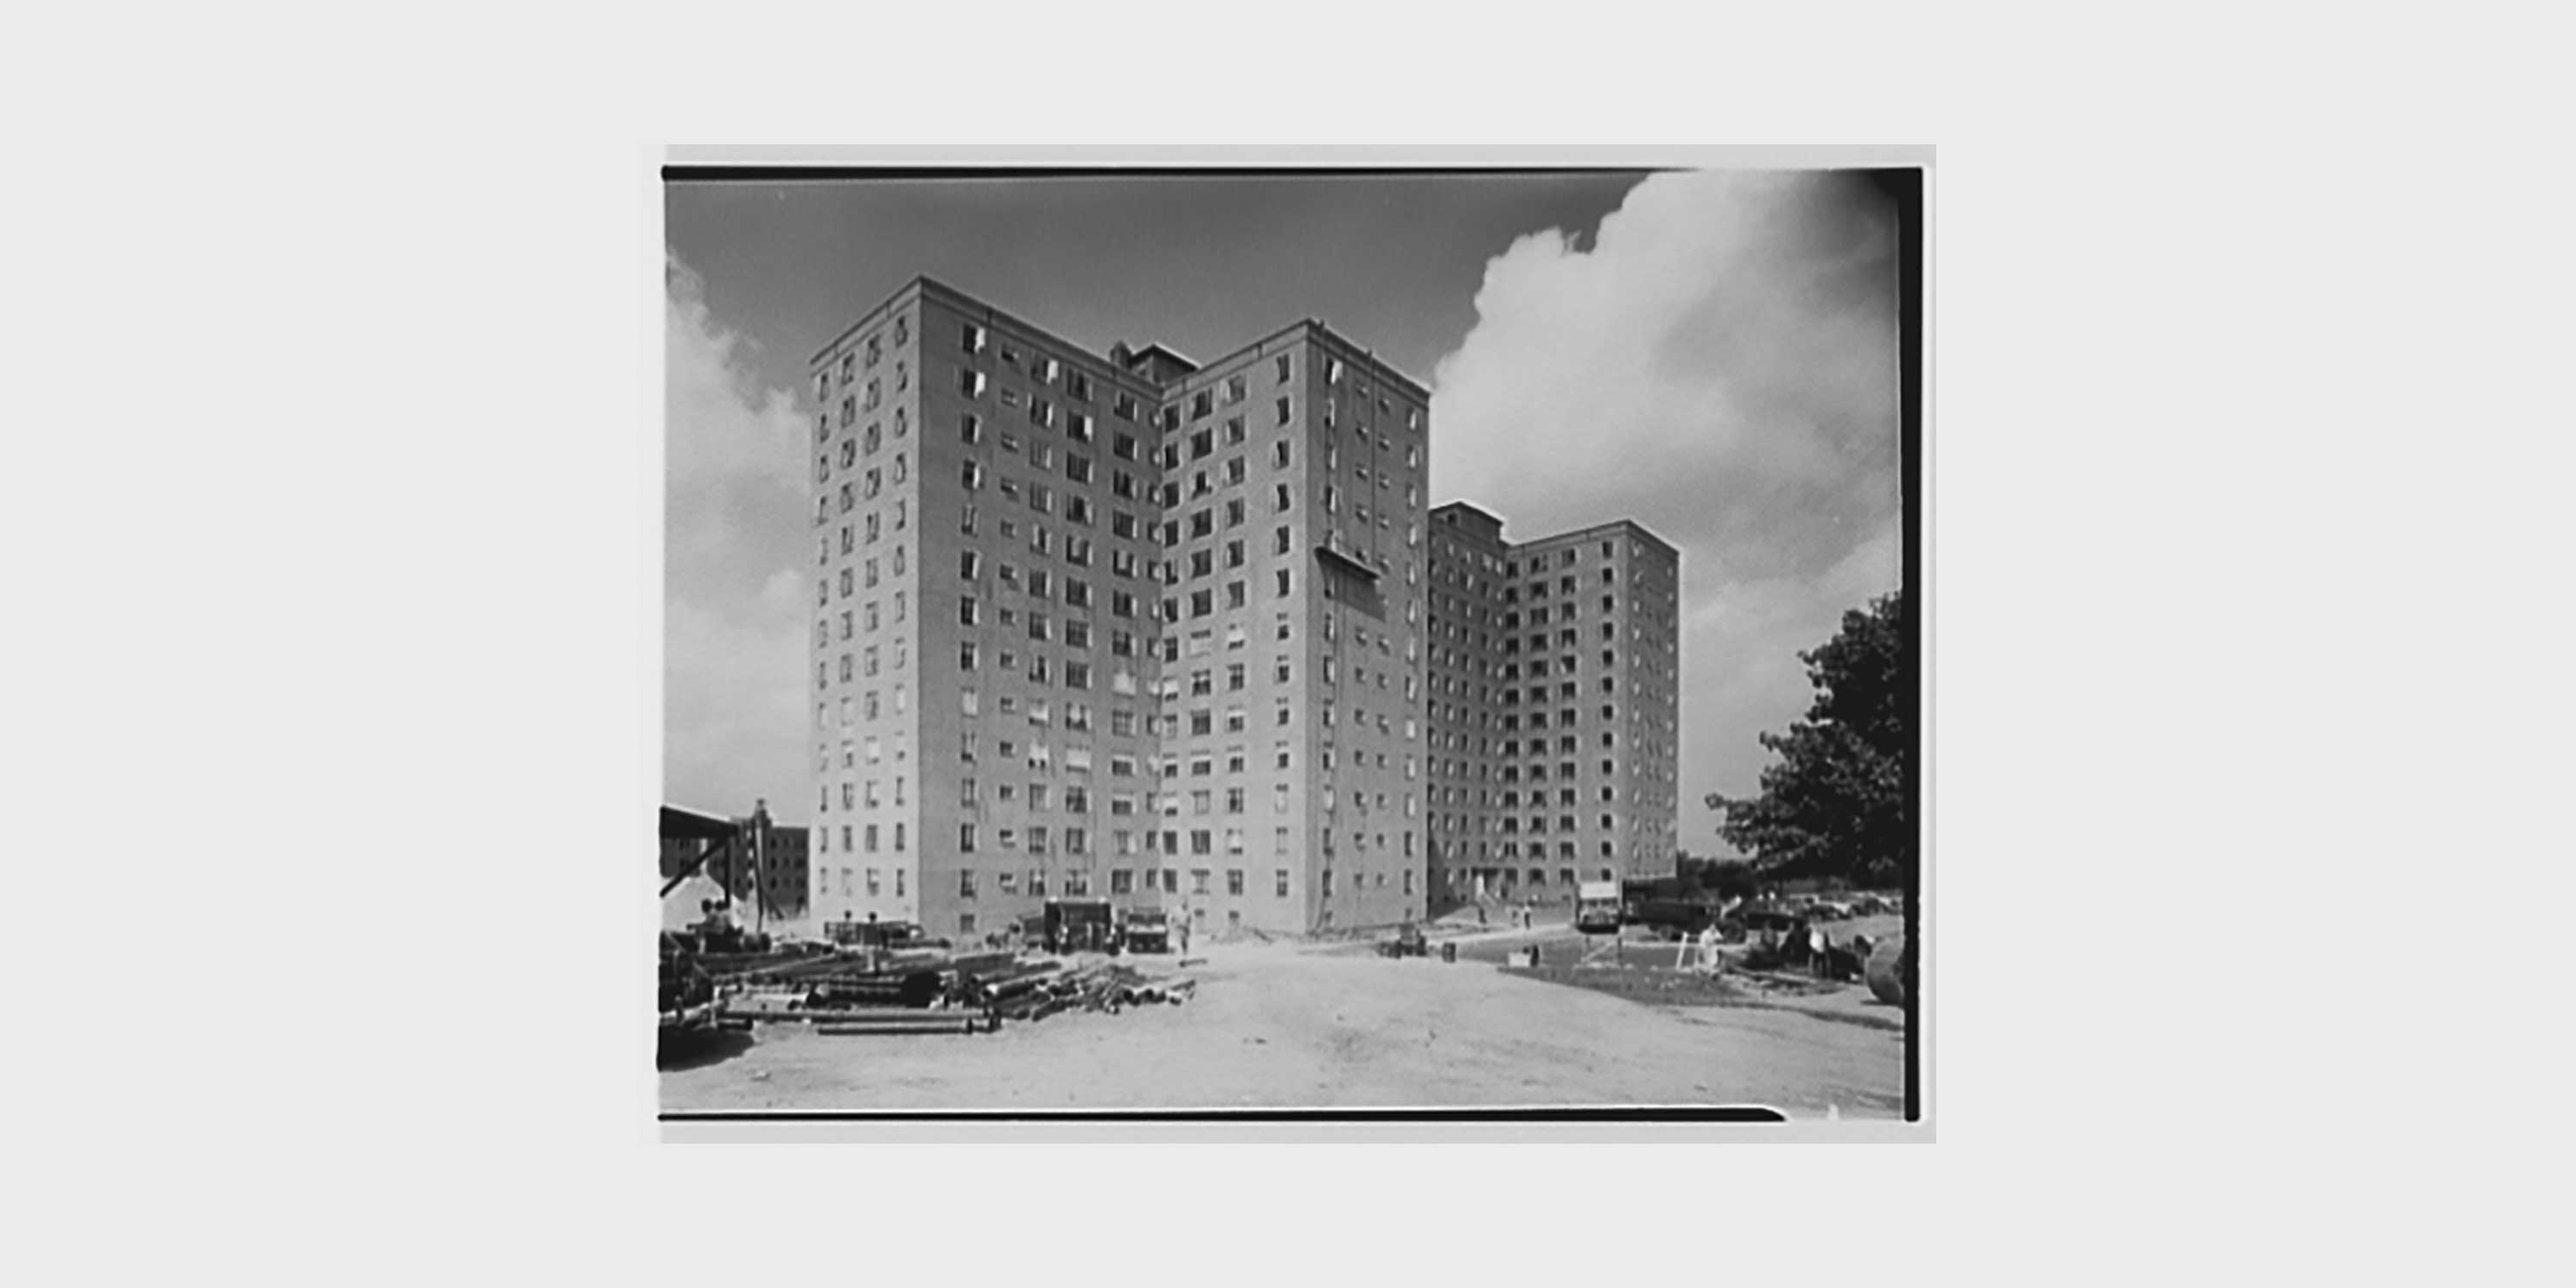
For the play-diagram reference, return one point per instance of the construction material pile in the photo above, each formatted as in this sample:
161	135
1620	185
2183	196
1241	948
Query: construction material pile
923	990
1034	990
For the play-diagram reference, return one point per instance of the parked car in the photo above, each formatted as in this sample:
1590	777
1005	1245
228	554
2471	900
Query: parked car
1767	924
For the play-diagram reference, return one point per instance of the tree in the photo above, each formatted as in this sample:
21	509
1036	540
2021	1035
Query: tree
1730	879
1834	804
1725	878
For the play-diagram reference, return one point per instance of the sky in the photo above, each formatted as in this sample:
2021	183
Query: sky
1712	354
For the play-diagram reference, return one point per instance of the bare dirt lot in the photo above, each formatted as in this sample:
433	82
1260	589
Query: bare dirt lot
1273	1026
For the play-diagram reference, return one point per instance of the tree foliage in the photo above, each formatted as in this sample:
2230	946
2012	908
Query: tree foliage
1834	802
1728	878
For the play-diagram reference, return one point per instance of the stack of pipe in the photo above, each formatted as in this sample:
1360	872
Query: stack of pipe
914	989
1018	979
873	1022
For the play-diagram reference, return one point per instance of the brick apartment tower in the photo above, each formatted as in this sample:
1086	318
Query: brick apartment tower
1554	678
1126	626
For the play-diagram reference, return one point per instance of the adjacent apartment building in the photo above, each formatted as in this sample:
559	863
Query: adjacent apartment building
1128	626
1554	676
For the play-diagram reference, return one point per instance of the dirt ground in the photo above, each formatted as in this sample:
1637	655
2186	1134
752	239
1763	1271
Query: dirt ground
1275	1026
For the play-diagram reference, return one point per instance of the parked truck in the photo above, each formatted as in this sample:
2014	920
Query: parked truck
1147	930
1597	907
1079	926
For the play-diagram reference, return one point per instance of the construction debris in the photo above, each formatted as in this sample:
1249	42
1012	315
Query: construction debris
868	989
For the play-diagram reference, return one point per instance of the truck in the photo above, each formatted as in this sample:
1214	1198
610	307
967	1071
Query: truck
1147	930
1597	907
1079	926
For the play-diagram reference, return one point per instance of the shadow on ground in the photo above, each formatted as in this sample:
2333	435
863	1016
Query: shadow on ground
698	1048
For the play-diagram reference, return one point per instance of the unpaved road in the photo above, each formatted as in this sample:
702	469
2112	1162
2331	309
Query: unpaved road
1275	1027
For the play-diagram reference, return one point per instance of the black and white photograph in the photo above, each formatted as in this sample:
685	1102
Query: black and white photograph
1163	584
1341	640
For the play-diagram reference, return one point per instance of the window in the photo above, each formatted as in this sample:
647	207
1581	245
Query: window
1282	410
1280	888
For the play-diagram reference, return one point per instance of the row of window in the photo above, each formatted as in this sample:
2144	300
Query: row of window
866	836
1512	799
1539	850
1038	797
1460	879
1537	824
1008	882
823	887
902	337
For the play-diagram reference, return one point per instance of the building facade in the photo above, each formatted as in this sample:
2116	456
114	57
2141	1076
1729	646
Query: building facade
785	881
1125	626
1554	677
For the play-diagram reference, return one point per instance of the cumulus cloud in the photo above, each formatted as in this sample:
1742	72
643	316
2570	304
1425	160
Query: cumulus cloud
1719	363
734	600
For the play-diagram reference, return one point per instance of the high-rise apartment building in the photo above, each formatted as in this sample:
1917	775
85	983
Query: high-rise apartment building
1128	627
1554	676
